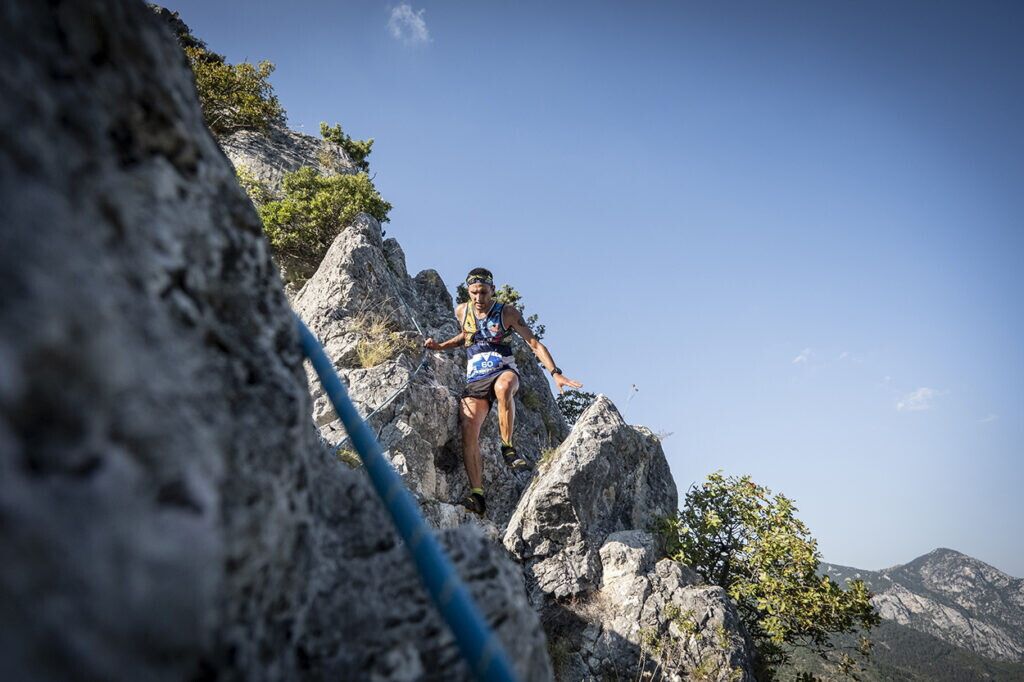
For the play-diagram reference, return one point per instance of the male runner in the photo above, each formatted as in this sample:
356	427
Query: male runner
491	374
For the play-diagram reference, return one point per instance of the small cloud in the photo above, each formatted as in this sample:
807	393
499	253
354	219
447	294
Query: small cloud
804	356
408	25
844	355
989	418
919	400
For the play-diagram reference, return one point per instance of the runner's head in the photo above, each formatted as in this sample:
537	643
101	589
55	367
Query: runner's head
480	285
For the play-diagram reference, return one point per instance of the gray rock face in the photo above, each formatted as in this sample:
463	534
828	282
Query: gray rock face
166	508
363	281
610	609
952	596
653	617
606	477
268	157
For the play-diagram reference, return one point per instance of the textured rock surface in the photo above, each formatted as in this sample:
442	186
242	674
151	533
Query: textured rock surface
607	476
269	156
952	596
651	617
166	508
609	609
364	277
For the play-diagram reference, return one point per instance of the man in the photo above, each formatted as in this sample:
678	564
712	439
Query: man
491	374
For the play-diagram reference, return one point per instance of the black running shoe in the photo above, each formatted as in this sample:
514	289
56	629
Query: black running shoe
474	502
513	460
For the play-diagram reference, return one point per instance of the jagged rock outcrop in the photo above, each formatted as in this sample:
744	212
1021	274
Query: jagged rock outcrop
269	156
951	596
167	510
362	300
610	608
606	477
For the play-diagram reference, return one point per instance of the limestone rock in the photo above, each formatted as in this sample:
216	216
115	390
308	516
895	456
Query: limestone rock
269	156
607	476
649	617
167	510
363	281
611	610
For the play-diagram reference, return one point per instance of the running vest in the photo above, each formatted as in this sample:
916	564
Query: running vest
487	350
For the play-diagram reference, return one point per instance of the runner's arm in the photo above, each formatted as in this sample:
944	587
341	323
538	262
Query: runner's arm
513	319
453	342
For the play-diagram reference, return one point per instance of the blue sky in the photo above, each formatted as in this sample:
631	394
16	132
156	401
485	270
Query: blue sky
795	227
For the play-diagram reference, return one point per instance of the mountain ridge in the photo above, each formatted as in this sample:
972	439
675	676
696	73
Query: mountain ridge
952	596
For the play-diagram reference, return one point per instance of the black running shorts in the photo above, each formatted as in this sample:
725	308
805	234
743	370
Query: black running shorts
484	388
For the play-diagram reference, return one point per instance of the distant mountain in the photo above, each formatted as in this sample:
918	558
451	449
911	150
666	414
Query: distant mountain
946	616
902	654
953	597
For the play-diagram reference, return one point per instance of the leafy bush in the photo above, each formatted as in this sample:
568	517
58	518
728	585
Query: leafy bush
738	535
258	192
232	96
314	210
357	150
574	403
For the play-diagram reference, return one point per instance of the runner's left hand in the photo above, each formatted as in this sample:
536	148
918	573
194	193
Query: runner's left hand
563	382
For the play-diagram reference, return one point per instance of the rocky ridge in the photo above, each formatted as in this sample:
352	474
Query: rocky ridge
952	596
167	509
176	509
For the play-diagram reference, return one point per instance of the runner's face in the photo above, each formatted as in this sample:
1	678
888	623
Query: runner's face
481	295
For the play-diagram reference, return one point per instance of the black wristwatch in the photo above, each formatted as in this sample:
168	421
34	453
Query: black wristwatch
556	370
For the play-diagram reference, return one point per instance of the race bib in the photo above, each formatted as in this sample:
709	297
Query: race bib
482	364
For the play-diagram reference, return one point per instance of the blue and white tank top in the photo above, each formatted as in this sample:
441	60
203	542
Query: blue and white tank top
487	349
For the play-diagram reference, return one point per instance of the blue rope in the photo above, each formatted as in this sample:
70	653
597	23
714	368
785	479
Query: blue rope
476	640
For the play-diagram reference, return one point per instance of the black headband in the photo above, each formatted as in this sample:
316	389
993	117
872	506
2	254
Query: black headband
479	279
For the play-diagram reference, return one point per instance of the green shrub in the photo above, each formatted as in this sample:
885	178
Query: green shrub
234	96
738	535
258	192
357	150
574	403
231	96
313	211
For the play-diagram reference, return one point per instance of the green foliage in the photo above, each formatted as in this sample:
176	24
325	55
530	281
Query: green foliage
349	458
509	296
257	191
234	96
314	210
357	150
574	403
740	536
231	96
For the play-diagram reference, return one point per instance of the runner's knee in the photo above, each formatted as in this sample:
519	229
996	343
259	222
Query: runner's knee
506	389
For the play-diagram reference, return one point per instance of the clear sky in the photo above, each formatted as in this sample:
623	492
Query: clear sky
796	227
